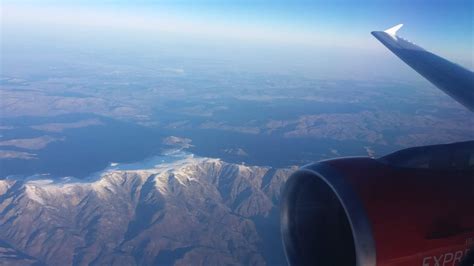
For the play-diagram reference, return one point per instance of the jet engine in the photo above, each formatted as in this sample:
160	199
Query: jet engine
412	207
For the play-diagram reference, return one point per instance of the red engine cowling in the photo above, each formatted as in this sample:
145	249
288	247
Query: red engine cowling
413	207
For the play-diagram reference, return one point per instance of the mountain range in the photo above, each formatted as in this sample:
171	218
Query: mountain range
198	211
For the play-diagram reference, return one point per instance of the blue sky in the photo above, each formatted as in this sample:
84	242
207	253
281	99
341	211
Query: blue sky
334	27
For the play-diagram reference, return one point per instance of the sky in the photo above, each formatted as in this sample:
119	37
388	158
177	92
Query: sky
305	33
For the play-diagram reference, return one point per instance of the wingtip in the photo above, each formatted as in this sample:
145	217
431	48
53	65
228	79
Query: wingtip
393	30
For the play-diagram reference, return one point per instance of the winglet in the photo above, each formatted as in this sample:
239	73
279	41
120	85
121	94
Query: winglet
393	30
453	79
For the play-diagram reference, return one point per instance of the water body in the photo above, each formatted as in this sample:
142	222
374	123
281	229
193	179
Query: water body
272	150
83	150
90	149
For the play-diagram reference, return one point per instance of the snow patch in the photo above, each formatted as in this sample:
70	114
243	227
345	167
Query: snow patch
42	187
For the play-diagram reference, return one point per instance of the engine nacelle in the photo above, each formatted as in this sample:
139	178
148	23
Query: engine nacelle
413	207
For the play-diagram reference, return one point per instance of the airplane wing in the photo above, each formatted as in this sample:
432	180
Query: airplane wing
451	78
346	211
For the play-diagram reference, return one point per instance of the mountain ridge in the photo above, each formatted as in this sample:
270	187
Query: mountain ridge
195	210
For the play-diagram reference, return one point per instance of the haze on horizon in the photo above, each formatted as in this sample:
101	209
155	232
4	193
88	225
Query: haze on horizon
316	38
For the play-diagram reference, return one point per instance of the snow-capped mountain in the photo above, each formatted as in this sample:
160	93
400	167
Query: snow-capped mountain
190	211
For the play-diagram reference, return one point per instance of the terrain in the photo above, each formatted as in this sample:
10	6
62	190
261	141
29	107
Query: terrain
85	131
190	210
